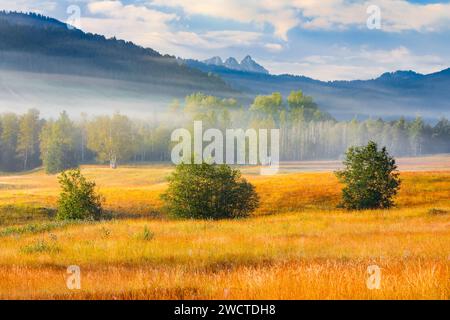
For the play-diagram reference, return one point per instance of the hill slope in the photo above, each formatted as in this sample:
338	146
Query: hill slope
34	48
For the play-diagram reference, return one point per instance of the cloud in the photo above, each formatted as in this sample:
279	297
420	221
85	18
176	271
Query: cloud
151	28
130	22
37	6
273	47
259	12
363	63
396	15
284	15
216	39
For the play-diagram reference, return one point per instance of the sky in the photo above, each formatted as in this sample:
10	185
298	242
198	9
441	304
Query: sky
321	39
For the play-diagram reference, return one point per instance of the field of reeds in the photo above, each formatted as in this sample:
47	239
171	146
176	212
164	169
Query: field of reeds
297	245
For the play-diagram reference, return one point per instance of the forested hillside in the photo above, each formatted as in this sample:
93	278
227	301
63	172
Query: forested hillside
37	44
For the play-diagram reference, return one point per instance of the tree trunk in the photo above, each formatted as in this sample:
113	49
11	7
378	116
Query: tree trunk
113	162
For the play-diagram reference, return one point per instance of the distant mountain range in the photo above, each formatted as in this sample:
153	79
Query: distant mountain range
247	64
45	64
393	94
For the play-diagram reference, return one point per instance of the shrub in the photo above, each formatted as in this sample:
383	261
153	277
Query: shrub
370	176
78	199
147	234
209	191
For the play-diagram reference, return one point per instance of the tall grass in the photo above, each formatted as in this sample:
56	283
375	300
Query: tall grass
297	246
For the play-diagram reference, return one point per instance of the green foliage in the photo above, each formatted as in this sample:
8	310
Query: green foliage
306	133
41	246
147	234
304	108
209	191
299	108
268	105
111	138
35	228
9	129
213	111
78	199
58	145
28	139
370	176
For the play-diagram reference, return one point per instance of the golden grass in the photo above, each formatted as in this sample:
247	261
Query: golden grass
297	246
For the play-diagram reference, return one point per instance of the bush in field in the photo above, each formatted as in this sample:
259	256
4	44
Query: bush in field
370	176
209	191
78	199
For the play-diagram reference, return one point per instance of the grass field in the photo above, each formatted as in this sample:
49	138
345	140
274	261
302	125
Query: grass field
296	246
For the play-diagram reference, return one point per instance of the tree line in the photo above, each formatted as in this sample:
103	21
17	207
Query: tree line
28	141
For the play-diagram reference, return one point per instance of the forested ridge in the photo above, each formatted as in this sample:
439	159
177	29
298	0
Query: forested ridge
27	141
35	43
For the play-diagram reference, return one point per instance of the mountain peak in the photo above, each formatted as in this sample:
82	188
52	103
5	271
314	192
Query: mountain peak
247	64
232	63
216	61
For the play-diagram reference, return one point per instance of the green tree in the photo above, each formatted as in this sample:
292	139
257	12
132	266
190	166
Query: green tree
28	140
209	191
8	142
58	145
304	107
416	131
441	136
78	199
213	111
370	176
268	106
112	139
296	99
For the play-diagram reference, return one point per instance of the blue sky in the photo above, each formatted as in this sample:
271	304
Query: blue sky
322	39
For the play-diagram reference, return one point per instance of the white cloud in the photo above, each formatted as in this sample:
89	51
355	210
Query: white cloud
283	15
139	24
346	64
396	15
37	6
215	39
273	47
151	28
260	12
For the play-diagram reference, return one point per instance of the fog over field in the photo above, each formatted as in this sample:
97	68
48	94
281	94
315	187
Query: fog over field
53	93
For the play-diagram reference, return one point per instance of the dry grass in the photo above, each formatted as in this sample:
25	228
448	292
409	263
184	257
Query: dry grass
297	246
